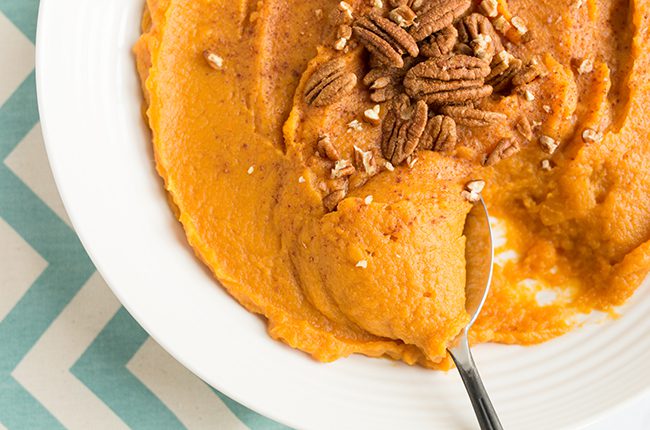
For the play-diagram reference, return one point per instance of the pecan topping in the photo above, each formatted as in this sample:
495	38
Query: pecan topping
329	83
438	14
326	148
590	135
214	60
342	168
528	74
440	44
384	83
402	128
504	149
332	200
489	8
403	16
472	117
501	24
585	66
504	68
524	128
473	190
477	32
385	39
548	144
439	134
457	79
371	116
365	161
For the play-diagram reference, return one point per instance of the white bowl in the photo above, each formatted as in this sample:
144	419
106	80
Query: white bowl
90	104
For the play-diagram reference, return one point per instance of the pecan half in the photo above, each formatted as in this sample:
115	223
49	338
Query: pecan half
384	82
477	32
385	39
472	117
329	83
442	81
438	14
504	149
441	43
504	68
439	134
403	125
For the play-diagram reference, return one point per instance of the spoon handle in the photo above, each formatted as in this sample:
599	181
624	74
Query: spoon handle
485	413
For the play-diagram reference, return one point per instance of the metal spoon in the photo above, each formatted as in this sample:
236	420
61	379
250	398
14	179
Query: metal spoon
480	255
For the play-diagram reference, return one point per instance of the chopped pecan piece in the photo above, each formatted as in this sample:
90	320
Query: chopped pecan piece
438	14
344	31
439	134
403	125
585	66
590	135
332	200
402	16
215	61
329	83
342	168
477	32
442	81
441	43
528	74
519	25
504	68
501	24
473	190
326	148
346	9
340	44
472	117
524	128
385	39
504	149
548	144
371	116
489	8
384	82
365	161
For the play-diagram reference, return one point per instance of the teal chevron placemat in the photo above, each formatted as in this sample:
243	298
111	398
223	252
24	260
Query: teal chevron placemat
70	355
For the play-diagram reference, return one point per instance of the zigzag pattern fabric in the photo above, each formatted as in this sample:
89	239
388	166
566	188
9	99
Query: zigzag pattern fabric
70	355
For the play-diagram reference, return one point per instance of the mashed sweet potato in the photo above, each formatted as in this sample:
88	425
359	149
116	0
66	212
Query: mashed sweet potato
384	273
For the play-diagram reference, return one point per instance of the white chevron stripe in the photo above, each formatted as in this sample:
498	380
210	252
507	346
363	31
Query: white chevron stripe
2	427
44	371
16	57
29	162
189	398
20	265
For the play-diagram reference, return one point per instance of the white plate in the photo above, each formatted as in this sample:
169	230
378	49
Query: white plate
99	150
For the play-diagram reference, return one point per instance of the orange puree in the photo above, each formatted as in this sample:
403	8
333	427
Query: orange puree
383	274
